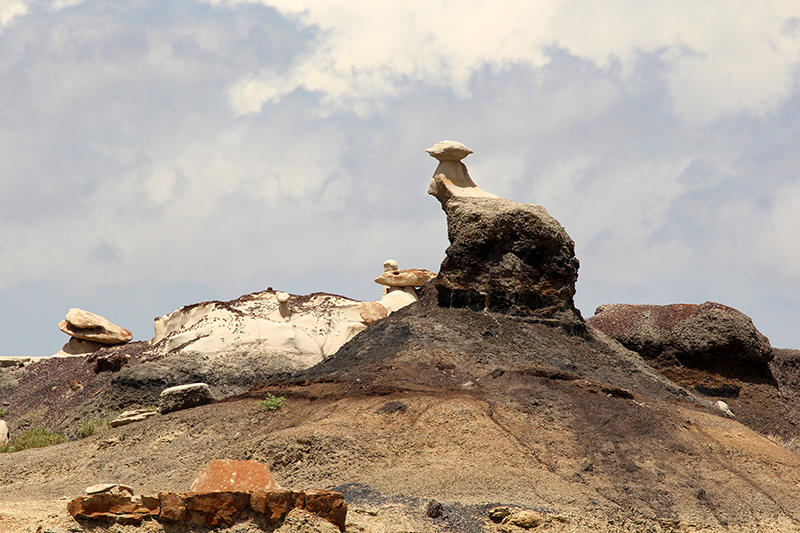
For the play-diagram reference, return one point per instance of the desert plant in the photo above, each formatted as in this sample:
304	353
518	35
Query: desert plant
272	403
32	438
90	427
2	412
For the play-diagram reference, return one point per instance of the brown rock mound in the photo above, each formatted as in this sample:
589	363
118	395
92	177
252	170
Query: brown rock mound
702	335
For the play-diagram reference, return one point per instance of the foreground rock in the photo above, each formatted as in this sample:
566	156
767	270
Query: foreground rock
504	256
184	397
704	335
91	327
223	508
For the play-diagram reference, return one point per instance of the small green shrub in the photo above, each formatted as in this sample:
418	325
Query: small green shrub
90	427
272	403
2	412
32	438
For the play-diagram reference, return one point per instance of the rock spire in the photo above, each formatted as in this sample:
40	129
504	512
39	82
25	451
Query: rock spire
504	256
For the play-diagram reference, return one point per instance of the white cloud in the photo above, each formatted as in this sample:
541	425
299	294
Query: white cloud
722	58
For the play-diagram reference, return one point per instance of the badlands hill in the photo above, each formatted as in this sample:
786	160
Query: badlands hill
489	392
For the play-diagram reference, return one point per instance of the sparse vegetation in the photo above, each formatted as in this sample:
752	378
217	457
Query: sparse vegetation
90	427
32	438
272	403
2	412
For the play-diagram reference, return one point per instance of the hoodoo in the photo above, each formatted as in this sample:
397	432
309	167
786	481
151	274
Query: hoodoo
504	256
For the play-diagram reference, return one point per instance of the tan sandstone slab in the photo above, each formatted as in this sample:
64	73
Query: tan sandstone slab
91	327
410	277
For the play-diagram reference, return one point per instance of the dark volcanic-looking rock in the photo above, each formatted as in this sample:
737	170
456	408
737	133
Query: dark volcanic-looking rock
694	335
504	256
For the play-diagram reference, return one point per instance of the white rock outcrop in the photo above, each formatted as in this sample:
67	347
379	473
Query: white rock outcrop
303	328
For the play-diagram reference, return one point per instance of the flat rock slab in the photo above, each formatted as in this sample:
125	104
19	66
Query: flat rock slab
410	277
231	475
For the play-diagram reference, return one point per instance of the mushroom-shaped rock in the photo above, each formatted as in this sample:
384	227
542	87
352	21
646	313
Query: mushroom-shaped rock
410	277
449	151
91	327
451	178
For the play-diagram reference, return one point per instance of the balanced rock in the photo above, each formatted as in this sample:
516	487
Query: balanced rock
504	256
694	335
225	475
184	397
91	327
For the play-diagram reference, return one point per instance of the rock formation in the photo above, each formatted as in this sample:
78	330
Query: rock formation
3	432
702	335
91	327
504	256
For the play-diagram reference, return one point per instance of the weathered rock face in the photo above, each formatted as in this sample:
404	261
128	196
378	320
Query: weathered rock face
694	335
504	256
91	327
229	475
184	397
3	432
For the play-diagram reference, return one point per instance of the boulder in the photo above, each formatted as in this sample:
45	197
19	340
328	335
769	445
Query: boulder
91	327
504	256
109	361
228	475
3	432
526	519
372	311
184	397
702	335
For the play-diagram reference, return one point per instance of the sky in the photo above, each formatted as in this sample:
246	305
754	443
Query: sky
156	154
